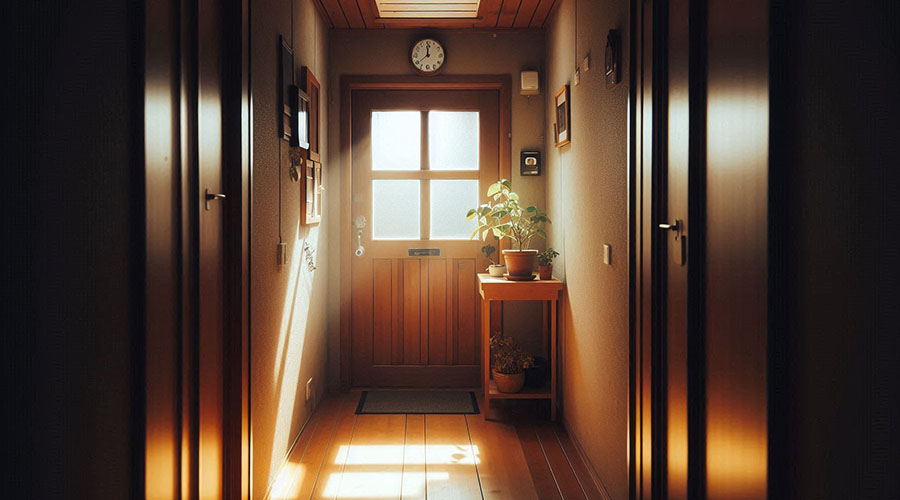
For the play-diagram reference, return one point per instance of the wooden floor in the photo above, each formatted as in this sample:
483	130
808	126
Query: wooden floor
344	455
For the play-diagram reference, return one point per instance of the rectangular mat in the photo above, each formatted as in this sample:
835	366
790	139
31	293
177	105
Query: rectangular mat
417	402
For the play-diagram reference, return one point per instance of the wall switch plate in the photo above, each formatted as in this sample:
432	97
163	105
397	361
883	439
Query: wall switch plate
309	389
577	77
281	254
607	255
586	63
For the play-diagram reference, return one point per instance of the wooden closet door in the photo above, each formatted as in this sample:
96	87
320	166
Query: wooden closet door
420	160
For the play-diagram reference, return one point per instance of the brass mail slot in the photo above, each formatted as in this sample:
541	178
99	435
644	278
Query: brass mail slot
424	252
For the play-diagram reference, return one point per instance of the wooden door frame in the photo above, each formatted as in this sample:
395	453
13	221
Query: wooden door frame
646	345
166	374
350	83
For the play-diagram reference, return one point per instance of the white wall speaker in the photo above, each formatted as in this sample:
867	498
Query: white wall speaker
530	85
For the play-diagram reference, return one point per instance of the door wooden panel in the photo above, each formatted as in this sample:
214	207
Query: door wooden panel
413	319
438	348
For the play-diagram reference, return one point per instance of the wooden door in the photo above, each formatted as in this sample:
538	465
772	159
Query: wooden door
420	160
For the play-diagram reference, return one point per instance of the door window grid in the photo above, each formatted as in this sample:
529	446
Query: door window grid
410	148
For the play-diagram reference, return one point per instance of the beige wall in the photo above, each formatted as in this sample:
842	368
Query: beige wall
288	327
467	53
587	195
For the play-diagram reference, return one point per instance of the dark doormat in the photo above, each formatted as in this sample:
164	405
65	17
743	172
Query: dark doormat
421	402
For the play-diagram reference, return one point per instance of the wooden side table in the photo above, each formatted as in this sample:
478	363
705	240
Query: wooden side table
492	288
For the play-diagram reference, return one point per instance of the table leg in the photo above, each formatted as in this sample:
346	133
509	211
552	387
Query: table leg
486	353
553	361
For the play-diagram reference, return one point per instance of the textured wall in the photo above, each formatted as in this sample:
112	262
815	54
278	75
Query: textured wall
587	196
288	326
467	54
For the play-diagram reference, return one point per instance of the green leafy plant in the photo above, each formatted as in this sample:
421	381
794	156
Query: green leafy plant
507	357
488	251
546	257
505	217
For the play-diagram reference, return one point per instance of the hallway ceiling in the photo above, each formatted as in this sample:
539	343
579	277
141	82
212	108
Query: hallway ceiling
452	14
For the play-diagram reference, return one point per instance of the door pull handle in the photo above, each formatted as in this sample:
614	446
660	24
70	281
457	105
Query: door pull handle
212	197
671	227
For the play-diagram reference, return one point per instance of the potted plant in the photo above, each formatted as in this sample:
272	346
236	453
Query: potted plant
504	217
545	263
509	364
494	269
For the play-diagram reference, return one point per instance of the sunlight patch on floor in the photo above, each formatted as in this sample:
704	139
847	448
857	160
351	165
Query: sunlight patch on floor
379	484
393	454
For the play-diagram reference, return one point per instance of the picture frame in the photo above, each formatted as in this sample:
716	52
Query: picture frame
310	84
562	127
299	118
285	81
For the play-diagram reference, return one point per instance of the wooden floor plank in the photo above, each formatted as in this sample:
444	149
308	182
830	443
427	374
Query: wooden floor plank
314	456
329	480
414	459
292	473
578	466
449	459
374	464
537	463
559	464
501	463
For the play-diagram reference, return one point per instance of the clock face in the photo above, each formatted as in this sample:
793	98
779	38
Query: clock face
427	56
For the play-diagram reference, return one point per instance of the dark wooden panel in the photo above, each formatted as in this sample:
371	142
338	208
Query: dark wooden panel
736	249
412	294
396	309
542	13
526	12
335	13
467	304
382	317
591	491
437	312
508	13
353	14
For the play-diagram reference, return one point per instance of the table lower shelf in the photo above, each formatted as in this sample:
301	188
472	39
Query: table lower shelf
525	393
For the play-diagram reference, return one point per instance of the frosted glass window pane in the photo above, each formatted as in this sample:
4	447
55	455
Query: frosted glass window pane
453	140
396	140
450	200
395	210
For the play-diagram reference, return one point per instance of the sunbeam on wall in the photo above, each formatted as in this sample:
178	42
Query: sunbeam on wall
292	335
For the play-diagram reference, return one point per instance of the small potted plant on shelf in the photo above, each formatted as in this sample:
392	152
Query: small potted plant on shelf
494	269
545	263
504	217
509	364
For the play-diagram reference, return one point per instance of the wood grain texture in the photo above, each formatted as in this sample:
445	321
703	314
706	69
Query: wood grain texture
449	458
541	475
566	480
437	313
414	459
374	465
382	319
542	13
525	13
353	14
502	468
508	13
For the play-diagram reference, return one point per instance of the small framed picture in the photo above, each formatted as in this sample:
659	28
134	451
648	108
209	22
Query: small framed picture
286	79
561	128
299	118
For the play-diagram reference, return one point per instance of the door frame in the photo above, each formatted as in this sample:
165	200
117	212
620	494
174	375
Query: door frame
648	145
351	83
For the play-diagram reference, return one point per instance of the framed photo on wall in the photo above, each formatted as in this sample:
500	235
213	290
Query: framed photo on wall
286	81
563	122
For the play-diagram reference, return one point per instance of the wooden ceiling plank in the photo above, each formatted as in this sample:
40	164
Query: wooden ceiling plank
369	13
526	12
352	13
508	13
542	13
488	12
333	8
427	23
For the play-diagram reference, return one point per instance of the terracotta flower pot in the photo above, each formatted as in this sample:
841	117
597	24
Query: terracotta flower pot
545	272
520	262
509	383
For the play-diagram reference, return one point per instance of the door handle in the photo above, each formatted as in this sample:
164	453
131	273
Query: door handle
213	197
671	227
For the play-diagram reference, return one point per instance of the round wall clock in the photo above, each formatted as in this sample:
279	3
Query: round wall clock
427	56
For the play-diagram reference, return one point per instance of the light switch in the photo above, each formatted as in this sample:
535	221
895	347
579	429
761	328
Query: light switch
607	255
586	63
